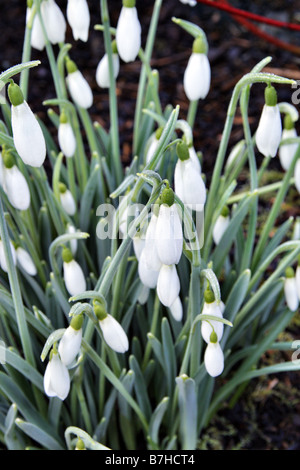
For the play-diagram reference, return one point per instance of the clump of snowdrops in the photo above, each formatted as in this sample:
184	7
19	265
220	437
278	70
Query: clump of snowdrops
135	301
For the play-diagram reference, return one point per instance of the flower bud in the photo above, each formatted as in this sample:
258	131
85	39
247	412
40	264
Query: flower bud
15	184
113	333
176	309
128	32
211	307
25	261
269	131
70	343
3	261
214	359
73	275
287	151
66	199
66	137
197	75
54	21
27	134
290	290
56	377
37	39
78	16
168	285
102	71
78	86
189	185
221	225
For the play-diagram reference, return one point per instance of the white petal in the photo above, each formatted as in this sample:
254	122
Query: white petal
25	261
37	39
144	295
3	262
189	185
74	278
169	235
16	188
206	328
28	136
56	378
102	71
291	294
147	276
78	16
297	175
66	139
220	228
287	151
150	252
79	89
69	345
68	203
168	285
297	277
54	21
128	34
114	335
176	309
268	134
194	157
138	245
214	359
197	75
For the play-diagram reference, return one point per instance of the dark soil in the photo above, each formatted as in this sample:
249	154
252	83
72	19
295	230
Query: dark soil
267	417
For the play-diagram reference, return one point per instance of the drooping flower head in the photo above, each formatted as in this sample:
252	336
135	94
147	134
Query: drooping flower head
78	16
28	137
66	136
269	131
54	21
290	289
211	307
214	357
221	225
113	333
102	71
128	32
14	183
70	343
78	86
287	151
67	199
197	75
56	377
73	274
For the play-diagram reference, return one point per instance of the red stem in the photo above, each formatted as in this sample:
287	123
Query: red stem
250	16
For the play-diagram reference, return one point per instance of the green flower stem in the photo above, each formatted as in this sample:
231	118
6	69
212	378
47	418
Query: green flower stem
154	323
143	74
116	157
274	211
192	112
26	53
115	382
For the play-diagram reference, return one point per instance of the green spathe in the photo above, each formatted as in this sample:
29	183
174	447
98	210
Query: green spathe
76	322
129	3
67	255
167	197
182	151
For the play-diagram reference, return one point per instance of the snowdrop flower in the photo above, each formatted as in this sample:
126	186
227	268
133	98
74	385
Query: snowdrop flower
79	88
188	183
138	242
78	16
37	39
73	275
56	377
113	333
150	250
66	137
70	343
176	309
194	157
168	232
27	134
197	75
128	32
214	357
290	290
297	175
168	285
211	307
221	225
102	71
3	262
269	131
54	21
66	199
25	261
15	184
287	151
